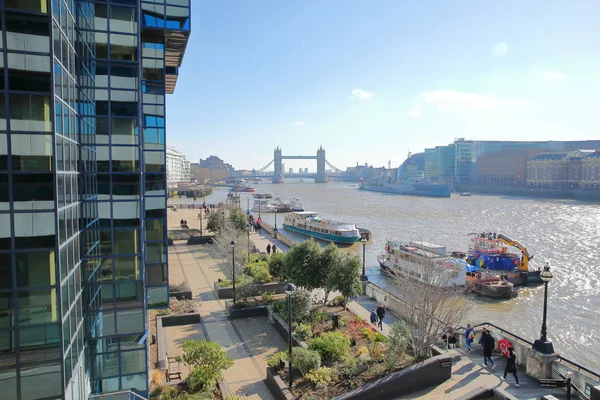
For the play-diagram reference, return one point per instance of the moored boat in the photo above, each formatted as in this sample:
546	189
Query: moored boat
296	205
310	224
465	194
490	285
490	252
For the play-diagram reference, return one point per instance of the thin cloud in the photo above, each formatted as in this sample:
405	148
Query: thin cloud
499	49
454	102
416	112
359	94
549	78
298	123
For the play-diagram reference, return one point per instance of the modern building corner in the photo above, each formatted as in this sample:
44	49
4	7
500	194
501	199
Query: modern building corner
83	231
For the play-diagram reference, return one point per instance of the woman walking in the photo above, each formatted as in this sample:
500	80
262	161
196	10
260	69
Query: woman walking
488	343
511	365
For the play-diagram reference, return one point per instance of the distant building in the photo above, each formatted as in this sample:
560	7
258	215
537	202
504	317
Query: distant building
431	163
291	170
306	170
559	170
213	163
203	174
506	167
178	168
300	170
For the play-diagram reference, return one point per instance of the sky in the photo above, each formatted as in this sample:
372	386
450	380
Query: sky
372	80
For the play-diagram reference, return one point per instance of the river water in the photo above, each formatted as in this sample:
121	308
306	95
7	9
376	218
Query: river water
564	233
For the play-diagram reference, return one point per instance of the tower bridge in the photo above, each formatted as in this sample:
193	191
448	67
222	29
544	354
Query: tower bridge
278	174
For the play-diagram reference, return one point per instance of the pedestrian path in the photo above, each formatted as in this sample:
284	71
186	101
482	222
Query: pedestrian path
468	373
250	342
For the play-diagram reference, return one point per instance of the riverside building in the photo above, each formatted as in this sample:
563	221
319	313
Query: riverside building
83	235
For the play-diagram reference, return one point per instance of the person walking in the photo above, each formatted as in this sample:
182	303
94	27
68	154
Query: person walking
274	249
269	249
469	336
488	342
511	365
380	315
374	317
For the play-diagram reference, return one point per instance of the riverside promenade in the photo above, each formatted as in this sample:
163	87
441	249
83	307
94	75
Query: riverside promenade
251	341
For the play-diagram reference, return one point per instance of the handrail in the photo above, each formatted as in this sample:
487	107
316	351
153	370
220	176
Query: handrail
114	395
561	359
579	392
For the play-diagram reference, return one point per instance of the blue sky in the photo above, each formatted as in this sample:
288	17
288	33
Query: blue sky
372	80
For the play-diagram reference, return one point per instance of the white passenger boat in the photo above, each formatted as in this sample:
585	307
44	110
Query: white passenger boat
296	205
309	223
424	262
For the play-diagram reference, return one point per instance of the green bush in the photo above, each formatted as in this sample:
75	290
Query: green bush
276	264
266	296
259	271
321	376
225	283
275	360
350	368
332	346
244	287
319	315
303	332
300	306
338	301
205	360
305	360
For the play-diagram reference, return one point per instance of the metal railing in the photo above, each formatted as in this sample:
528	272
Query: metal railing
120	395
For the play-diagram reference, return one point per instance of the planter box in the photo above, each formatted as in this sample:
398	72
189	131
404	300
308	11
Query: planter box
254	311
170	320
281	327
429	373
182	295
227	293
278	389
200	240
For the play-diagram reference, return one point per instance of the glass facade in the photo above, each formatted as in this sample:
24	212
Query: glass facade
83	236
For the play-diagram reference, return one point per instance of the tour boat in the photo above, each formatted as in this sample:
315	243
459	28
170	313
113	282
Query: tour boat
309	223
268	206
425	262
296	205
465	194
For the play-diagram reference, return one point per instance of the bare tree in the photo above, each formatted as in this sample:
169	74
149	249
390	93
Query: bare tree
430	302
221	249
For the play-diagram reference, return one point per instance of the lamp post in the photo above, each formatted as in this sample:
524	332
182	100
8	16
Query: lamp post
275	228
248	231
232	244
223	219
289	289
248	205
543	345
200	218
304	229
363	277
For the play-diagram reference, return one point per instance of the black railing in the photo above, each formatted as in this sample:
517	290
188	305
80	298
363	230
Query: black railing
579	392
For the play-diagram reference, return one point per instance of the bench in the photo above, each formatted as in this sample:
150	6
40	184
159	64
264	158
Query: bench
173	372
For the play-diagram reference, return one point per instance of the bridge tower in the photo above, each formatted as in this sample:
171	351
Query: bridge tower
321	176
278	172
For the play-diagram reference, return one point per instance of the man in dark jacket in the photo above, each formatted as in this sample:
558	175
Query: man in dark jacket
511	365
380	314
488	343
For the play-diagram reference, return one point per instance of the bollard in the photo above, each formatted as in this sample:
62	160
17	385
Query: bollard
335	321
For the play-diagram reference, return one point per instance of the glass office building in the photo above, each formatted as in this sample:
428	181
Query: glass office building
83	233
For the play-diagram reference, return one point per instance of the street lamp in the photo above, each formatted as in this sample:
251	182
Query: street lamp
304	229
543	345
223	219
248	205
275	229
232	244
289	289
363	277
248	231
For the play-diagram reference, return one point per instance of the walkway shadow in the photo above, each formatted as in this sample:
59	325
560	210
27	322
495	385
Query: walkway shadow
467	379
258	388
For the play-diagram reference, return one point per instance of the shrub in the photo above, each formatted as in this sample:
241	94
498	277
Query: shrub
182	306
321	376
363	350
205	360
399	338
319	315
350	368
303	331
266	296
343	321
259	271
244	287
178	287
305	360
338	301
225	283
275	360
300	306
276	264
331	346
367	331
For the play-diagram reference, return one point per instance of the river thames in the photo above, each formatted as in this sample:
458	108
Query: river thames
566	234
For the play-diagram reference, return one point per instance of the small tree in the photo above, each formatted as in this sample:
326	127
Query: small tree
221	249
330	260
205	361
430	305
276	262
302	265
344	276
238	219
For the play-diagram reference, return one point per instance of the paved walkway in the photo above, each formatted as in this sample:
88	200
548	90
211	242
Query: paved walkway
250	342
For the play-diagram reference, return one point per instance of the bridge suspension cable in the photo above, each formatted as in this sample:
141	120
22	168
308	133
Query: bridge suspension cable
333	167
263	169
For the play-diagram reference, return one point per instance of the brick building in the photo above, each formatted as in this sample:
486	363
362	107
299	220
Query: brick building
507	167
557	170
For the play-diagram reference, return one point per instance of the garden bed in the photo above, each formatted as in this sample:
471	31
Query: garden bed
256	290
180	291
200	240
350	356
